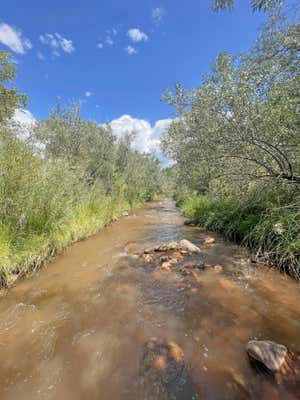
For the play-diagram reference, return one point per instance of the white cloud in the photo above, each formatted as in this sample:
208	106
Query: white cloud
109	41
136	35
24	120
157	14
14	39
40	56
57	43
88	93
109	38
131	50
147	137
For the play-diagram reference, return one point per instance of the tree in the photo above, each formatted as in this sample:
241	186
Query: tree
10	98
242	123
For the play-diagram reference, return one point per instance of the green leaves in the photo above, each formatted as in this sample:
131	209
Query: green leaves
10	99
242	124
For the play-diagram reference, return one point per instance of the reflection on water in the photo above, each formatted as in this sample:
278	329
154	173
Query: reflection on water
96	324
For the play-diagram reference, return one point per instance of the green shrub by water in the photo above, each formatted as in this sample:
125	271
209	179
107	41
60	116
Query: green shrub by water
272	230
61	180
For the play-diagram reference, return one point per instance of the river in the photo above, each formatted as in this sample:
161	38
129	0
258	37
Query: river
80	328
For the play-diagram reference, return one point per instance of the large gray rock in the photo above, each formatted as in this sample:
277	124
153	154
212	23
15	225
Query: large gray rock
189	246
270	354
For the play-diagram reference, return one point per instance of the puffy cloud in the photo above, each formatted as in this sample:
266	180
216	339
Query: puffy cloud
136	35
100	45
88	93
157	14
24	120
131	50
24	117
13	38
57	43
147	137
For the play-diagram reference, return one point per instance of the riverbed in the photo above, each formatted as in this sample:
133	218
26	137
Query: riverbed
79	328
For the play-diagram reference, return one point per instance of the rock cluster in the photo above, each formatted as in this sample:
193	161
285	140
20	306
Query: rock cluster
183	257
166	256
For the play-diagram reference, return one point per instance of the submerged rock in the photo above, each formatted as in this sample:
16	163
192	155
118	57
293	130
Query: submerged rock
164	371
147	258
272	355
164	258
186	245
194	265
218	268
161	248
166	266
209	240
189	222
172	246
131	248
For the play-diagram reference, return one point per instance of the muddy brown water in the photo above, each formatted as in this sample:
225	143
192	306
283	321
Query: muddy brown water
78	328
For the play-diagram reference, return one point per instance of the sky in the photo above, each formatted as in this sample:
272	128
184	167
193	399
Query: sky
118	57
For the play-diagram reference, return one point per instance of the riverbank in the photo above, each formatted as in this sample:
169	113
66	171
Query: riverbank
25	251
272	232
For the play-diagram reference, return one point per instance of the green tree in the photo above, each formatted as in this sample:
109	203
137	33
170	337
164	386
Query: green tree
10	98
243	121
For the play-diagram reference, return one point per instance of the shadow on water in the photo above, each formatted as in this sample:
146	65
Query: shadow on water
99	324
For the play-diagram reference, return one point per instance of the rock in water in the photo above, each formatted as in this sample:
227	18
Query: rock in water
189	222
125	214
164	371
218	268
131	248
173	246
209	240
189	246
270	354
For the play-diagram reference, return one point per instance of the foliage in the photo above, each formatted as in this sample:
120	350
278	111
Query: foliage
273	231
63	182
236	142
10	99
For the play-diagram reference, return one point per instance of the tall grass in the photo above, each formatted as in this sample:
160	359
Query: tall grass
47	204
24	252
272	230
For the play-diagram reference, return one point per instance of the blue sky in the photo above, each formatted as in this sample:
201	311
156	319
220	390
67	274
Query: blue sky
118	56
